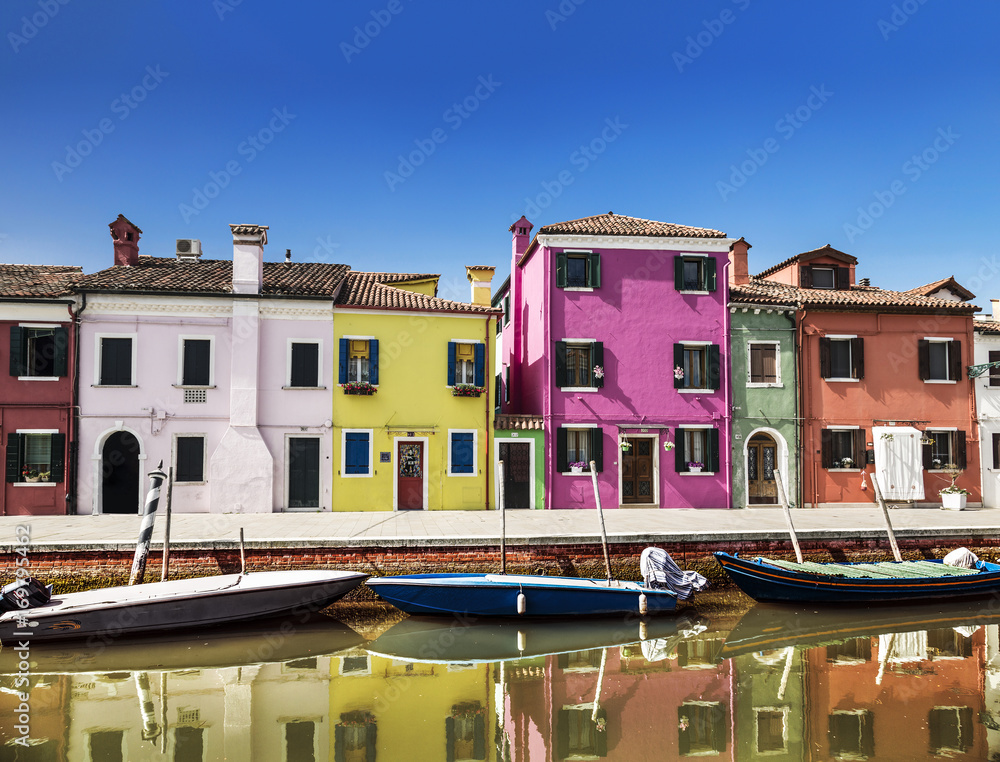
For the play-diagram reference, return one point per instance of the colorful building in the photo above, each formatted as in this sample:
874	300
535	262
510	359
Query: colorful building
617	336
987	391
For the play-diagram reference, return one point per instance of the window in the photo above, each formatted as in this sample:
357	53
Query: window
852	651
578	269
106	745
466	363
190	465
852	734
358	360
353	738
300	741
189	744
506	384
497	386
506	310
950	729
995	370
303	472
35	456
303	365
996	451
462	453
579	445
770	727
696	366
842	448
939	359
841	357
465	732
945	450
38	352
694	273
703	728
763	363
575	363
355	665
357	452
825	276
116	361
696	445
946	643
196	362
579	734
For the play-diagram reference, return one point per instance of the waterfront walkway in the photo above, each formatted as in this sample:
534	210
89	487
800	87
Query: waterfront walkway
473	528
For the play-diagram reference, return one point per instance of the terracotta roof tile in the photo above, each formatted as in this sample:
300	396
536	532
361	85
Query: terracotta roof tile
363	289
510	422
38	281
761	291
617	224
987	327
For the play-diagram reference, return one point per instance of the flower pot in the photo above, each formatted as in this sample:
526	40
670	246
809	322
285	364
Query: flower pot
575	470
360	392
953	501
32	479
694	469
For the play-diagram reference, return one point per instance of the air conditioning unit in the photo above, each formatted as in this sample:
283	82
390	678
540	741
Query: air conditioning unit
188	248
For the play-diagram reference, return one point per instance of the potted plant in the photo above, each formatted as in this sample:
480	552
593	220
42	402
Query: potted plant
31	474
695	467
359	387
578	467
953	498
467	390
936	463
847	462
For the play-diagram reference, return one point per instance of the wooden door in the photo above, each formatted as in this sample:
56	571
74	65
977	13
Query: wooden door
637	471
516	458
410	476
762	454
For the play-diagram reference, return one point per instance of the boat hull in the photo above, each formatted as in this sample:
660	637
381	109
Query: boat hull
101	616
771	584
496	595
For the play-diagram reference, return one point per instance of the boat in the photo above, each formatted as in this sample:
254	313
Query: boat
182	604
775	581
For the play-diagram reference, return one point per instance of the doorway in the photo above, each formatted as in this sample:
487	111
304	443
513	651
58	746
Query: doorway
762	453
516	459
637	471
410	476
120	474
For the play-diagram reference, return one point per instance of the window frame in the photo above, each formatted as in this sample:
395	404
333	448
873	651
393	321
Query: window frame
58	447
776	346
475	452
829	433
344	359
479	357
855	358
595	433
592	269
289	348
99	354
60	358
951	364
708	269
712	353
713	457
814	269
561	364
181	340
343	453
957	449
176	457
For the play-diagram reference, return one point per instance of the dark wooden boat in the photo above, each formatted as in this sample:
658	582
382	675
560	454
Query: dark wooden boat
774	581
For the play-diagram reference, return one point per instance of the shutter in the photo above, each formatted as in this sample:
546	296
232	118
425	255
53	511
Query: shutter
867	732
338	744
373	361
960	458
996	451
13	457
562	734
597	448
713	451
955	360
756	364
57	457
678	363
496	391
769	363
710	272
858	357
843	279
594	270
342	371
601	738
480	357
17	351
924	359
561	269
562	459
371	737
683	736
825	362
451	363
356	455
805	277
60	361
995	371
926	454
461	453
449	738
506	384
860	455
678	273
680	457
560	364
719	728
826	448
197	356
598	358
714	367
479	737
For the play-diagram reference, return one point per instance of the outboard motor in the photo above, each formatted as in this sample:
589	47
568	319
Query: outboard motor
24	594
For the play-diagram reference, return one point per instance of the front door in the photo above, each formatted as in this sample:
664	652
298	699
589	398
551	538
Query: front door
120	474
761	455
637	471
516	458
410	476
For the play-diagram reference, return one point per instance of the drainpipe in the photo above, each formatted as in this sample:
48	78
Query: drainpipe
726	382
488	460
74	444
547	419
803	387
798	423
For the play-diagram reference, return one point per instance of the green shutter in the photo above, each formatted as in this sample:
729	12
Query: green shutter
57	457
594	270
678	273
678	363
680	457
597	448
17	351
598	360
713	451
13	457
714	367
709	269
60	360
560	364
561	269
562	459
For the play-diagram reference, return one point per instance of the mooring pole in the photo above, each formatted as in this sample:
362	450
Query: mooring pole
885	515
165	571
156	478
783	497
600	512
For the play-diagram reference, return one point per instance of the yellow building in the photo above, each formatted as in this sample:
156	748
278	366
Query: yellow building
413	407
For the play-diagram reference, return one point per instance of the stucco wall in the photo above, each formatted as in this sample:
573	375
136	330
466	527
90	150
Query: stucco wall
988	408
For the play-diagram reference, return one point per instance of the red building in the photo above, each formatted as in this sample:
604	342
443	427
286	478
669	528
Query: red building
37	311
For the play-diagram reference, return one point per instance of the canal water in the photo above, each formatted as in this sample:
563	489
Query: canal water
721	682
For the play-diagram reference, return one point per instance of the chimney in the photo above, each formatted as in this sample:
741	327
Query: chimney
126	238
480	277
865	282
288	256
248	258
521	237
739	271
995	304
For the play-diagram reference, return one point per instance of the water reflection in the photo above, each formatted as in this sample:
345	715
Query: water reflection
782	684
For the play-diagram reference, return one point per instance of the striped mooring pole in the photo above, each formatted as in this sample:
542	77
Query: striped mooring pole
146	530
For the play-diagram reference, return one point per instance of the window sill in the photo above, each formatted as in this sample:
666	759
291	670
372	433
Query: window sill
843	380
355	476
574	473
579	389
38	378
939	381
696	473
695	293
114	386
846	470
578	288
193	386
696	391
190	484
461	475
303	388
763	385
33	484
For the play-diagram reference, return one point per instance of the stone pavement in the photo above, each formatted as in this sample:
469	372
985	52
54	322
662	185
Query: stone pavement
465	528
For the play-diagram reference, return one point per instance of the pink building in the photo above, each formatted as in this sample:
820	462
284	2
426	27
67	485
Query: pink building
617	335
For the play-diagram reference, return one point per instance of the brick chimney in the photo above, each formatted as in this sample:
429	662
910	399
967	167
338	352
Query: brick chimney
248	258
480	276
126	238
521	231
739	270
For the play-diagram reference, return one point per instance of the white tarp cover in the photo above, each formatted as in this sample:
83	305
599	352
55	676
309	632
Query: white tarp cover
899	462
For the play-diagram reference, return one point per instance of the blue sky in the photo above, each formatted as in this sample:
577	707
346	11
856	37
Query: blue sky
407	135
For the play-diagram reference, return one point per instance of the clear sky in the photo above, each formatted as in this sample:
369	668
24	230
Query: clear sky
407	135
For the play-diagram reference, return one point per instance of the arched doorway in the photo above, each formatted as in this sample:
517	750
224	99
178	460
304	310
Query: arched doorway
120	473
762	457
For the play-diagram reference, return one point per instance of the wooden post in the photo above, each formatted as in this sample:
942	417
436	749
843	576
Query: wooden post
783	497
600	512
503	519
156	478
888	524
165	570
243	555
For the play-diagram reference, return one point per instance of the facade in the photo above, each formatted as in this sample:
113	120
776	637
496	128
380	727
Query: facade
987	391
37	313
518	443
640	391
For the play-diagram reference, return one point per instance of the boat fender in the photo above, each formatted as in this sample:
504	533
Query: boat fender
522	603
643	631
643	604
522	640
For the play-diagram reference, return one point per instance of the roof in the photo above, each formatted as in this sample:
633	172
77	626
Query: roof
617	224
372	290
987	327
509	422
37	281
949	283
806	256
867	298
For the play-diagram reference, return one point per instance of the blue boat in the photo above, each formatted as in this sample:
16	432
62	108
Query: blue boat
513	595
775	581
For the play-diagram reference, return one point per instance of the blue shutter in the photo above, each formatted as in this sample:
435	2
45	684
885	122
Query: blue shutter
373	361
451	363
343	362
356	456
480	365
461	453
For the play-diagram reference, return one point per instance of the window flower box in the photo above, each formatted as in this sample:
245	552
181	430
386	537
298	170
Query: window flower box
578	468
361	388
695	467
467	390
